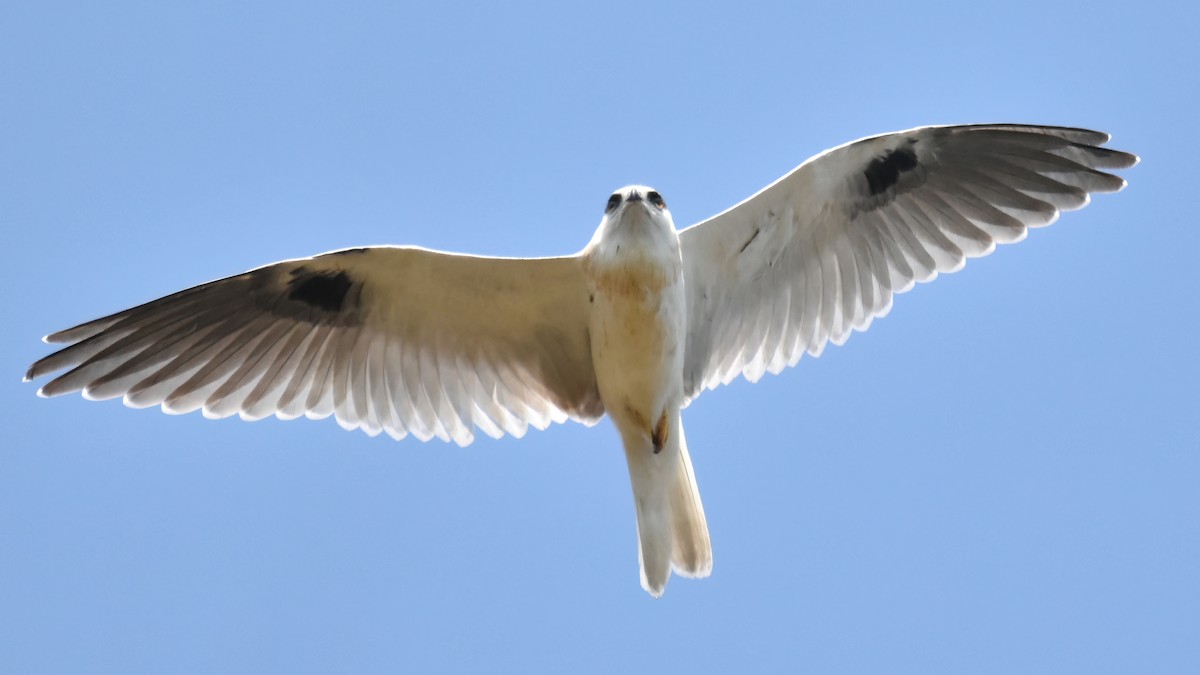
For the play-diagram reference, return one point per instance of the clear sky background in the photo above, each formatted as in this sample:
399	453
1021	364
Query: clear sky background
1000	477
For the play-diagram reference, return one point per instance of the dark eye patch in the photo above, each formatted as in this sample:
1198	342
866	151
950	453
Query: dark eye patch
656	199
613	202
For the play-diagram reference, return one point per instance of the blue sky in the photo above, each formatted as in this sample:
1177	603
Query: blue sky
1001	476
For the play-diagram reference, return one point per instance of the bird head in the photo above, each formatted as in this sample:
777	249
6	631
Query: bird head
636	218
637	206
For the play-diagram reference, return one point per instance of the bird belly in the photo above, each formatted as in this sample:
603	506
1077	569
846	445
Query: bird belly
637	330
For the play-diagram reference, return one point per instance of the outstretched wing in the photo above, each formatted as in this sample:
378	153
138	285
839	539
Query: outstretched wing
402	340
821	251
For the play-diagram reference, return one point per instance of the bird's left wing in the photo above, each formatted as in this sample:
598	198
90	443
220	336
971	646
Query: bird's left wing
820	252
396	339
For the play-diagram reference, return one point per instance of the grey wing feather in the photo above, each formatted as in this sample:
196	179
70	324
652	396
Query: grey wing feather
820	253
402	340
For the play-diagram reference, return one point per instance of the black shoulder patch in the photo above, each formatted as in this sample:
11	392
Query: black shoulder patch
323	290
884	172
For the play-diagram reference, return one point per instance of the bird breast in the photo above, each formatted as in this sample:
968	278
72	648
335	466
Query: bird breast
637	325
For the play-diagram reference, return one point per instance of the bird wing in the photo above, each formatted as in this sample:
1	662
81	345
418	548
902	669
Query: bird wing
396	339
821	251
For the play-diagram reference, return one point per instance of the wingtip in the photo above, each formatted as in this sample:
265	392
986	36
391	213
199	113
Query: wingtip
35	371
55	338
1119	159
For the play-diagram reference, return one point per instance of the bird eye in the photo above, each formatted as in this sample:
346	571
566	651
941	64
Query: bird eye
656	199
613	202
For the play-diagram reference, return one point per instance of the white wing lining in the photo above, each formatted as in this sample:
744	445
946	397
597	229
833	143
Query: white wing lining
820	253
386	339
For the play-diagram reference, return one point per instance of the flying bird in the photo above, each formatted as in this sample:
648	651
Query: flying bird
410	341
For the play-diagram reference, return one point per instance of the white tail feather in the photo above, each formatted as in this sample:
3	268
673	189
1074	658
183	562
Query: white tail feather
672	531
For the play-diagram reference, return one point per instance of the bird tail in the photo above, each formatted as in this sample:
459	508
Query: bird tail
672	531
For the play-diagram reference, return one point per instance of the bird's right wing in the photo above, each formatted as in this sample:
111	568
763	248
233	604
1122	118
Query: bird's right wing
396	339
820	252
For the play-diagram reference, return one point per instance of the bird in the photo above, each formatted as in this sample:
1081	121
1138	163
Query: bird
415	342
